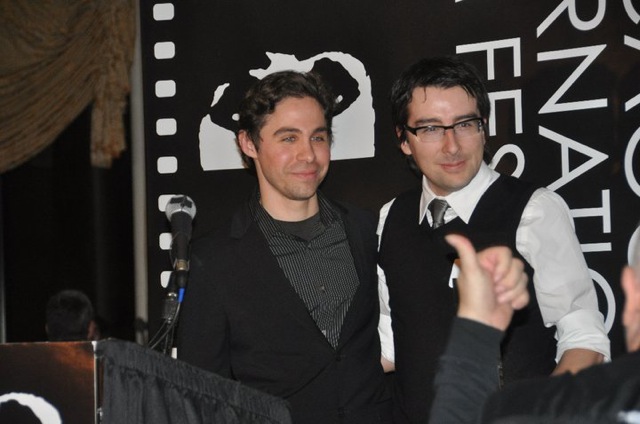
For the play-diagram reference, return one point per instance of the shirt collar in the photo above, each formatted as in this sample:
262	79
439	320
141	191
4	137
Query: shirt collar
270	226
461	202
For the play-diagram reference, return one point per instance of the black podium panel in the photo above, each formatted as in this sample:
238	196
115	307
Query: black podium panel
116	382
48	383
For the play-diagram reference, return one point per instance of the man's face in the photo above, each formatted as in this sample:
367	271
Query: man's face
293	154
450	163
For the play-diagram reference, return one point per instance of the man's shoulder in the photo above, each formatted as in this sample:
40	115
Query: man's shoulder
591	396
509	189
212	239
409	196
231	228
352	212
406	201
515	183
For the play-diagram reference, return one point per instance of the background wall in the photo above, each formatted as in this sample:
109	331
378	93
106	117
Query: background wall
564	78
67	225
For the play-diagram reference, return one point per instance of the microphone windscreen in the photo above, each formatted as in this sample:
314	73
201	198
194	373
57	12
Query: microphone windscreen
180	203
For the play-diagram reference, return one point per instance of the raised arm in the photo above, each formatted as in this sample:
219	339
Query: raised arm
490	286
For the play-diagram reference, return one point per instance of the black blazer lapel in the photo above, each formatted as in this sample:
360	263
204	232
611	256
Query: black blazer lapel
362	242
253	251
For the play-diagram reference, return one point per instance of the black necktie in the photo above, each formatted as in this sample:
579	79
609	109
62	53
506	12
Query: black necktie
438	207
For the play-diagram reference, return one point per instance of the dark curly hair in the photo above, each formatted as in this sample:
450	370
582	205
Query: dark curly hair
263	97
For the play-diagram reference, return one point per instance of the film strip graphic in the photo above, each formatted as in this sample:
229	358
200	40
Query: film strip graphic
350	71
164	50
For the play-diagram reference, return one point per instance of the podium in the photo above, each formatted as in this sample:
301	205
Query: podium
117	382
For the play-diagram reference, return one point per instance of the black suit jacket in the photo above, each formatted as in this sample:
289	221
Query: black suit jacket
242	319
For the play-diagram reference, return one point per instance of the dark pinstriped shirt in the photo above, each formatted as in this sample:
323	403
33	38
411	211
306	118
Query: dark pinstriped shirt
315	257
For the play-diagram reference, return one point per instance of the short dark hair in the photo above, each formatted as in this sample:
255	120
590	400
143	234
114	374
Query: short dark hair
441	72
263	97
69	315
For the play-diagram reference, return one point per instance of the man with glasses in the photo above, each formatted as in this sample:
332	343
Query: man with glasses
440	109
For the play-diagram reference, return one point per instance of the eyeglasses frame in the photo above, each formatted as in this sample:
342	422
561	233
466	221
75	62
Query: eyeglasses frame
414	130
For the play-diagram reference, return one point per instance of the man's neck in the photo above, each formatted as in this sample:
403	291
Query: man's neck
290	210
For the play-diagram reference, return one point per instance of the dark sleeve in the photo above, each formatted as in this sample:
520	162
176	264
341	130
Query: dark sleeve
202	338
467	372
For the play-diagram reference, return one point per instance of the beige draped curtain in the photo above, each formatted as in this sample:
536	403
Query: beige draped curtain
56	58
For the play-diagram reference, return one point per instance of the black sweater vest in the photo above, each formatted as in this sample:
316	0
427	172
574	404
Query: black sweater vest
417	263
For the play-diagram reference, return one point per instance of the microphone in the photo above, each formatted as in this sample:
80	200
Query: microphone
180	211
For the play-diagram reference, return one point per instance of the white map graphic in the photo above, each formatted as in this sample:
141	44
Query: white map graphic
353	129
41	408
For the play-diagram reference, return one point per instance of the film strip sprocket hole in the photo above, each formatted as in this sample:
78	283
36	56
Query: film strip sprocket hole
165	126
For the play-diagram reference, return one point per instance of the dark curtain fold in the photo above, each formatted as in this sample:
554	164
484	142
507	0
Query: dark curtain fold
144	386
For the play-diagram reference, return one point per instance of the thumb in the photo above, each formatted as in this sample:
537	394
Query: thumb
466	252
475	294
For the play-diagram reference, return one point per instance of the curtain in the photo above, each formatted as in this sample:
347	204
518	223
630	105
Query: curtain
145	386
56	58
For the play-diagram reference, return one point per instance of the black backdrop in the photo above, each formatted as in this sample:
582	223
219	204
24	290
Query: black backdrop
67	225
565	77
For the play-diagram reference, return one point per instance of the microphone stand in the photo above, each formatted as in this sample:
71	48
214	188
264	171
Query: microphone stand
162	341
180	211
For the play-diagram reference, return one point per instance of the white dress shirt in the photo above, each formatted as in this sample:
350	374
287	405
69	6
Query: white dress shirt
546	239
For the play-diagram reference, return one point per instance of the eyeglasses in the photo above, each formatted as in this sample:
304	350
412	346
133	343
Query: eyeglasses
462	129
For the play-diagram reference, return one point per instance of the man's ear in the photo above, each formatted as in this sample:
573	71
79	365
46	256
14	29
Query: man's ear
402	138
485	132
631	288
406	147
631	314
92	332
401	135
247	145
